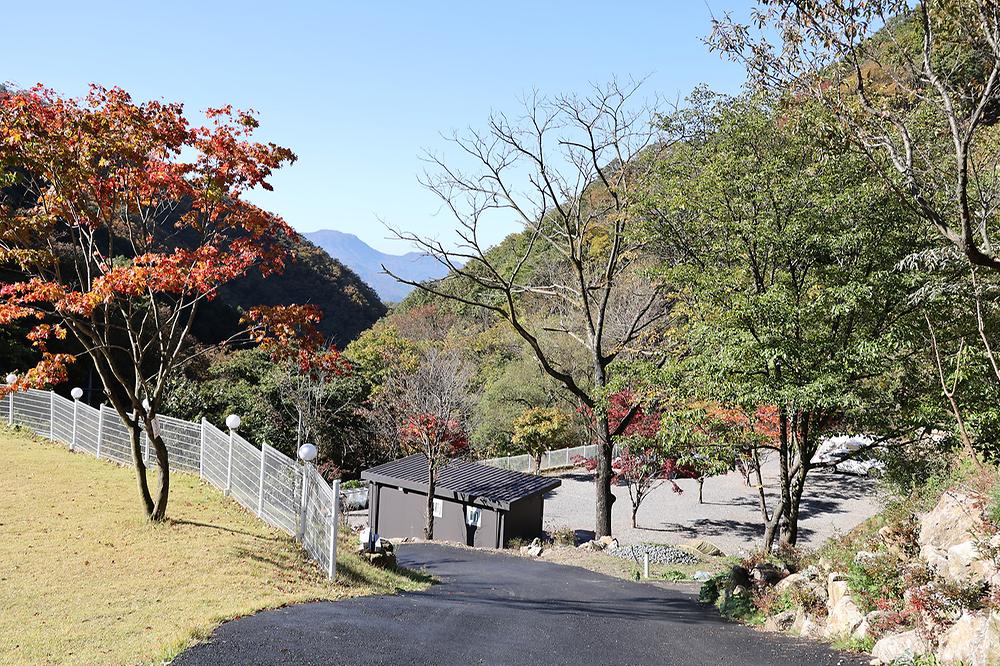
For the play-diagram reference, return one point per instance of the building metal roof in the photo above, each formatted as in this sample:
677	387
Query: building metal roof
462	480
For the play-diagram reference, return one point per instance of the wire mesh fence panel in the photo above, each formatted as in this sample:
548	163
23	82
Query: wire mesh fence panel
245	476
215	455
62	419
317	532
282	490
116	444
183	440
32	409
87	422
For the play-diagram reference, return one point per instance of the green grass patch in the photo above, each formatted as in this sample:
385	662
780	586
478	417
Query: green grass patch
86	579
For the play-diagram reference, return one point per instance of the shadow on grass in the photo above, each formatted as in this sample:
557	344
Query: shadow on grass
231	530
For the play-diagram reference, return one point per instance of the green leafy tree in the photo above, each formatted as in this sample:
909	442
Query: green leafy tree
541	429
782	250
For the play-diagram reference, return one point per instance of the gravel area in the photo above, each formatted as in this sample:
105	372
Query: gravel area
729	518
658	554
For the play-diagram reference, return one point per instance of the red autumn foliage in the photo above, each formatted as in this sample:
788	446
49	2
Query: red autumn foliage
423	432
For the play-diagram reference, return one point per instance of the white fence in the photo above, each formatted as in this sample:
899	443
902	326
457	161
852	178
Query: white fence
282	493
550	459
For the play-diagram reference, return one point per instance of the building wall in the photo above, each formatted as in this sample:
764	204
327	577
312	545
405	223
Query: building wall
401	514
524	520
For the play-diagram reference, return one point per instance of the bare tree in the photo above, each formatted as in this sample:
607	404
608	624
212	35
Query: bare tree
430	405
916	88
569	170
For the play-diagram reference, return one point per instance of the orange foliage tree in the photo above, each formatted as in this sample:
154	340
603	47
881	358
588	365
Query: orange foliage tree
118	219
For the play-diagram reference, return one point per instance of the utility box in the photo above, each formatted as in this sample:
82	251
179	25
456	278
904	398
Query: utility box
474	504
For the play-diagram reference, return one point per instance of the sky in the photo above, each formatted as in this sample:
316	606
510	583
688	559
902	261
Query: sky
360	91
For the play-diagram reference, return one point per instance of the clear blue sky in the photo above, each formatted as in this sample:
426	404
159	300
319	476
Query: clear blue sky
359	90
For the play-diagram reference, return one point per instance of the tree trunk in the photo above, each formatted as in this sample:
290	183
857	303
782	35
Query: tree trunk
135	438
163	467
538	462
429	525
605	498
635	510
790	528
701	488
771	528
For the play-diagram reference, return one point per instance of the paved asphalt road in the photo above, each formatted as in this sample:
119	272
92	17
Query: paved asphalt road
499	609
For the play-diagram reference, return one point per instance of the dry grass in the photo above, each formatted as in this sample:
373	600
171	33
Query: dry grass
85	579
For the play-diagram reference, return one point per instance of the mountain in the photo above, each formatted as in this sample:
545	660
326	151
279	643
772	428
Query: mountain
349	305
367	262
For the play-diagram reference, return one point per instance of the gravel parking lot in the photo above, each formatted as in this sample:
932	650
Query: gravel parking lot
729	518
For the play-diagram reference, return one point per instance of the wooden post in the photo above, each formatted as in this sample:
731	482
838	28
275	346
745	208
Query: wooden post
52	416
304	503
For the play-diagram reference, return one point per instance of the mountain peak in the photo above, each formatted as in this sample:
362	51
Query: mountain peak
367	262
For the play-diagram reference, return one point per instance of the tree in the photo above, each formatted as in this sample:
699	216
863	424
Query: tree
121	219
569	171
783	252
540	429
915	87
429	406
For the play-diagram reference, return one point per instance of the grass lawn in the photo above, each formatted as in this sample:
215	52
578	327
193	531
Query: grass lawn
85	579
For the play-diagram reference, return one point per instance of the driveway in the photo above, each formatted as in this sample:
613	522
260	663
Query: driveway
491	608
729	518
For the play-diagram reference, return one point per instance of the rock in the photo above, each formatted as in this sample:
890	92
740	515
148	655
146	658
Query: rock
767	573
780	622
974	640
704	547
592	546
956	519
865	557
739	591
701	576
904	647
844	617
836	589
791	582
964	564
608	542
936	558
382	560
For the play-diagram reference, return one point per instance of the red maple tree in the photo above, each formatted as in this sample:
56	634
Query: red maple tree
120	219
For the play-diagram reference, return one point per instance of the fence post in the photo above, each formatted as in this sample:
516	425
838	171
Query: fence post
201	451
10	415
260	497
100	428
334	520
304	504
229	464
76	413
52	416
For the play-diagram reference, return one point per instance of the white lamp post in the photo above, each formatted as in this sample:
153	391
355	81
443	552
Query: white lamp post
307	453
233	422
11	378
76	393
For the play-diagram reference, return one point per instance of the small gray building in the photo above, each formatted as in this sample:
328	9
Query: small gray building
473	504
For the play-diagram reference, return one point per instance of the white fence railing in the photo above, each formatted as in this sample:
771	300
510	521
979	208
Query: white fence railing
550	459
282	493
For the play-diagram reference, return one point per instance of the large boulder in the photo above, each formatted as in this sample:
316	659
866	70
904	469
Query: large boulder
780	622
703	547
843	618
902	648
957	518
966	564
974	640
807	626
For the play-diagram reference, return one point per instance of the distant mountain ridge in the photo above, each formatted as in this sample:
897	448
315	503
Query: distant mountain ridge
367	262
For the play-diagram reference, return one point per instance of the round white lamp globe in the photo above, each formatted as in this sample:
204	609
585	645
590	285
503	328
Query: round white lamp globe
233	422
307	452
145	404
77	393
11	378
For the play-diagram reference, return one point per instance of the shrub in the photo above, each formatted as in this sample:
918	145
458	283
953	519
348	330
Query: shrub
673	575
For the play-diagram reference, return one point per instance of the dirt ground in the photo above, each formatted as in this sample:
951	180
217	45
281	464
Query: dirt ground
729	518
